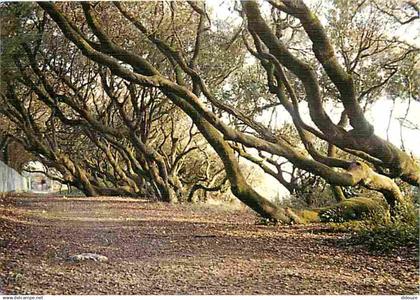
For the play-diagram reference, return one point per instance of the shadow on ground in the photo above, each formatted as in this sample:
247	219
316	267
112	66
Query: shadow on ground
156	248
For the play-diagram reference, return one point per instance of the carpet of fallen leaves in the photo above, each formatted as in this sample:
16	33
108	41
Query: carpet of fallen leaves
157	248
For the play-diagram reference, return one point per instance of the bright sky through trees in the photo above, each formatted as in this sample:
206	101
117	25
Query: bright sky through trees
384	114
380	111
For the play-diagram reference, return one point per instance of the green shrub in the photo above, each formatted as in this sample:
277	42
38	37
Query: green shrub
388	237
384	235
357	208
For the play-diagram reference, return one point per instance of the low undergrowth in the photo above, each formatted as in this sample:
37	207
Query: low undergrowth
384	235
356	208
369	222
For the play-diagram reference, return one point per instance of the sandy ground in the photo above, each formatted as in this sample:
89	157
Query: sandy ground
156	248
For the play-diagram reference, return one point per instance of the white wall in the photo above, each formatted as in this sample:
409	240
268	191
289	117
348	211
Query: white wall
11	180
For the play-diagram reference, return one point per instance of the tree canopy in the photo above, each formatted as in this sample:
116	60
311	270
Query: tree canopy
159	99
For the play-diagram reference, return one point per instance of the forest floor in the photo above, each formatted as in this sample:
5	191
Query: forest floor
157	248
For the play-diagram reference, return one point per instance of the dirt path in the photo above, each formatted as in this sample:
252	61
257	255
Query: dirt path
156	248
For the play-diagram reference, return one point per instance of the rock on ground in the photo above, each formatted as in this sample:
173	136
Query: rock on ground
88	256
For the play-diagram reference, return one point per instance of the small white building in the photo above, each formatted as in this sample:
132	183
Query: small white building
35	181
39	181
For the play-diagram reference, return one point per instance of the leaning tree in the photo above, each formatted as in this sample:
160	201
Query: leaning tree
285	56
95	131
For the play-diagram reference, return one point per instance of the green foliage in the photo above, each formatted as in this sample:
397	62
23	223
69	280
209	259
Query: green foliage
357	208
315	198
313	192
381	235
16	27
416	196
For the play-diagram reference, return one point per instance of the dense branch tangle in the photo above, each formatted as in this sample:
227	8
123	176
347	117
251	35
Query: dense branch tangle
85	107
180	69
